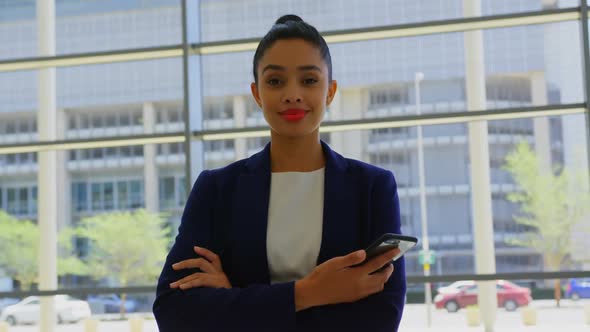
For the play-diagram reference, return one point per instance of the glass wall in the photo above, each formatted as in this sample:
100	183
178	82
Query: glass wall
117	164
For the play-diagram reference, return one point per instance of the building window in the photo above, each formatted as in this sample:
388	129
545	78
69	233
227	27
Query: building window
108	196
11	202
122	195
111	152
96	196
21	201
72	122
136	194
137	150
79	196
33	206
124	119
218	108
173	116
23	126
137	118
84	121
181	191
111	120
97	153
97	121
167	191
10	127
388	97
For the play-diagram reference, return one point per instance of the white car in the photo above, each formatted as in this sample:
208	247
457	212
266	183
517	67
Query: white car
28	311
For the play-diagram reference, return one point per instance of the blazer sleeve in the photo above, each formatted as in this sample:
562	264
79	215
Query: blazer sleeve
380	312
385	308
259	307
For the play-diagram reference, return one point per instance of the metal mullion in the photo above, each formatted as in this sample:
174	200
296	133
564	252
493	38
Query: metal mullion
260	131
186	92
90	143
91	58
586	59
411	279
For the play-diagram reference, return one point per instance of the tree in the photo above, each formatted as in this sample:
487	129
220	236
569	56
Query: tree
19	245
127	246
552	204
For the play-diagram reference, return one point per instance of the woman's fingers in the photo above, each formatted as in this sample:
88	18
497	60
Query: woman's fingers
184	280
200	263
203	280
377	262
210	256
341	262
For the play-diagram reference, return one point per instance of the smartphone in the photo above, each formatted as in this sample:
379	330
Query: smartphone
387	242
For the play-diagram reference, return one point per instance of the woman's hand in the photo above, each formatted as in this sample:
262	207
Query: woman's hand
335	281
211	274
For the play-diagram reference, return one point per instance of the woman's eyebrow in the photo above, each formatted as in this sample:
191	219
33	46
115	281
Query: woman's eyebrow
300	68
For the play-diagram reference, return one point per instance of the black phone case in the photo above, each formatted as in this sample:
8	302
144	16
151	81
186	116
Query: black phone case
387	242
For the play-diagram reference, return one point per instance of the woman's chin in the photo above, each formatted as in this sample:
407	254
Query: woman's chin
293	132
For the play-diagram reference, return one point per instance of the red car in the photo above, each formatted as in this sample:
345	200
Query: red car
464	293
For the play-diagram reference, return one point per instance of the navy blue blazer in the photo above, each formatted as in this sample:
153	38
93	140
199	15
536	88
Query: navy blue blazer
360	204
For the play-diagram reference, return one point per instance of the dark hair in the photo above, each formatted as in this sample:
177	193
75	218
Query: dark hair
292	27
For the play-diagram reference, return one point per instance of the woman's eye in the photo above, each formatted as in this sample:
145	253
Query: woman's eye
309	81
273	81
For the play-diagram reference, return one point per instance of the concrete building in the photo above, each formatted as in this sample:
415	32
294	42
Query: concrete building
376	79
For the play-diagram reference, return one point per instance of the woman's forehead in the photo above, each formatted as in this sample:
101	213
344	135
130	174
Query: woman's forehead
292	54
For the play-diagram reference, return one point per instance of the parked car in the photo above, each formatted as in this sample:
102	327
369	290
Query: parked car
578	288
110	303
464	293
28	310
5	302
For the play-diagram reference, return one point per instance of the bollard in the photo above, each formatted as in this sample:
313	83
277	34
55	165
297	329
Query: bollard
90	325
472	314
529	316
136	324
3	327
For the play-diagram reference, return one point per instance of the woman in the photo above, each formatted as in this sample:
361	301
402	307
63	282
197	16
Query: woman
279	232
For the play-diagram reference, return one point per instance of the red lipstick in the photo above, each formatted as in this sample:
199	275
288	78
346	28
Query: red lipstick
293	114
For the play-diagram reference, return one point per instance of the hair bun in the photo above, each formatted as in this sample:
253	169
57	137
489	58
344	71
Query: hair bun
286	18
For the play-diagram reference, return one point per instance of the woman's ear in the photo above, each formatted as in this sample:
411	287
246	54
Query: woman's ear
333	86
256	94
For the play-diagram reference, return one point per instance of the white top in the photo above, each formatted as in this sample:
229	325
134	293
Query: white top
295	222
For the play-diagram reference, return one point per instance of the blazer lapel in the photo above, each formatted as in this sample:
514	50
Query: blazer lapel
340	224
250	219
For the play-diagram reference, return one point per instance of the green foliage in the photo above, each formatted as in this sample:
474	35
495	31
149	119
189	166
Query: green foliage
552	204
19	245
127	246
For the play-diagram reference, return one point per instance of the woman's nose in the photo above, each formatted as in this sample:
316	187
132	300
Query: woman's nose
292	99
292	96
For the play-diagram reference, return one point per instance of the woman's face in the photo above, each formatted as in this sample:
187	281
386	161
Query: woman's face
293	88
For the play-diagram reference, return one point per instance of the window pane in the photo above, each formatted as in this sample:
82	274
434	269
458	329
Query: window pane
108	196
257	17
90	26
167	198
11	201
123	195
521	71
97	196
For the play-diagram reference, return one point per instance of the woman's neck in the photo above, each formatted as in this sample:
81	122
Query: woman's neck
296	154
